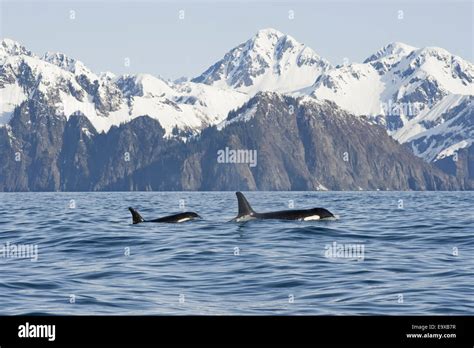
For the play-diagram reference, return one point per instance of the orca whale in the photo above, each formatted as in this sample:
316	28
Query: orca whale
247	213
176	218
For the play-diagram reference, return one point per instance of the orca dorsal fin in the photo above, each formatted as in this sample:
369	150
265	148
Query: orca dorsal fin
137	218
244	207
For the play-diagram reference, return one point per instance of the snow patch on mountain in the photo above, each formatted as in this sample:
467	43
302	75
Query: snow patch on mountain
451	150
436	132
356	87
390	55
144	85
245	116
10	97
428	118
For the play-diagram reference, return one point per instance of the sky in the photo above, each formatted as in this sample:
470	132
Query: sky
172	39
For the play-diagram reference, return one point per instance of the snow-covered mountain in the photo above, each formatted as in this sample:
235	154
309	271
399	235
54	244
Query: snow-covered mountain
271	92
269	61
423	96
399	80
67	84
438	132
410	91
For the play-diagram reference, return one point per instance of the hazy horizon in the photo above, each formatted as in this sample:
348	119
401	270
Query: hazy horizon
155	40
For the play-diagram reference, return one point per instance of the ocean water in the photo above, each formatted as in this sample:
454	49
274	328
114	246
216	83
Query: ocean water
403	253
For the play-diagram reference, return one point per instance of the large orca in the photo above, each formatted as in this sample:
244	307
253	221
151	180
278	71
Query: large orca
247	213
180	217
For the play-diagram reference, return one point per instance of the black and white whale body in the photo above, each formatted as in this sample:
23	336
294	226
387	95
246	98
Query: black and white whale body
176	218
247	213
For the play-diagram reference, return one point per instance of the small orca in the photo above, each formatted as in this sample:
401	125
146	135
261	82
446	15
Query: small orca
247	213
180	217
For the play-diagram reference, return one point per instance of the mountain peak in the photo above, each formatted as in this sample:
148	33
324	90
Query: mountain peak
269	61
60	59
434	51
6	42
392	50
265	40
268	32
398	47
67	63
151	85
13	48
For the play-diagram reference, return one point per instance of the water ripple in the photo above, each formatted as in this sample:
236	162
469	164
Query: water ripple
421	252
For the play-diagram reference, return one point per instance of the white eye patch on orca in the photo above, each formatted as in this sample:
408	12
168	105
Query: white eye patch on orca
312	218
